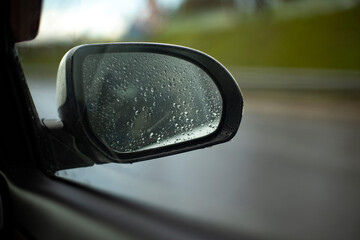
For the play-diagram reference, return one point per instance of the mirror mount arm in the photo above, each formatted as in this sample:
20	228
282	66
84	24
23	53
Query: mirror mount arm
63	144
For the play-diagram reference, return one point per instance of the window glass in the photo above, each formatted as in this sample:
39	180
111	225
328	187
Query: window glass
294	164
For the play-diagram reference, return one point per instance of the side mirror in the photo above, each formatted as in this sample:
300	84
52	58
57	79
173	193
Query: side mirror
127	102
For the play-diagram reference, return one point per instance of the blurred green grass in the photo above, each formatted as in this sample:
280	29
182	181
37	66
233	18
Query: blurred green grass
327	41
330	40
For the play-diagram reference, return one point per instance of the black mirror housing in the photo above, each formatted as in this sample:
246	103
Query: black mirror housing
122	102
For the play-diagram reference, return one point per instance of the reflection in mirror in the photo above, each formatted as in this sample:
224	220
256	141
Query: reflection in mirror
138	101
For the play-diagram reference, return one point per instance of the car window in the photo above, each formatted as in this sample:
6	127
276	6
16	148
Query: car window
293	164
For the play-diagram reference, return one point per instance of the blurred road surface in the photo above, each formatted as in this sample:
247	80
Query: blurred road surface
291	172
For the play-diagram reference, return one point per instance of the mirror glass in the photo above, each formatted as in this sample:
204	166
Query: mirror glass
137	101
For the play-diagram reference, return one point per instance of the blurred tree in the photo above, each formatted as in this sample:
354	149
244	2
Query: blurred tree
201	5
190	6
260	5
149	22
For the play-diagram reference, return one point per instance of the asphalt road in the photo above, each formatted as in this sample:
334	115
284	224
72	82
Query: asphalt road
291	172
